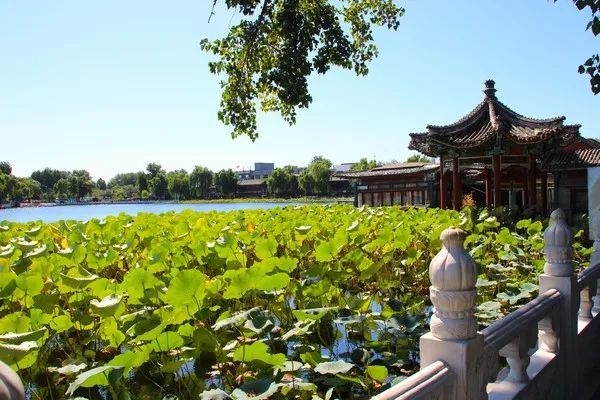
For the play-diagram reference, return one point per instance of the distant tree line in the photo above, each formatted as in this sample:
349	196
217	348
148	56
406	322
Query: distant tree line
155	183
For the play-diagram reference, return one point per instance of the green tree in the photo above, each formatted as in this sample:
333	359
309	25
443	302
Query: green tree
200	180
418	158
178	184
279	183
159	186
80	184
154	169
363	165
61	188
591	66
123	179
142	181
101	184
5	187
226	181
266	59
5	168
48	178
320	171
306	182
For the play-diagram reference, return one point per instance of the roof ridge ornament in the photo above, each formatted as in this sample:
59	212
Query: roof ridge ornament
490	91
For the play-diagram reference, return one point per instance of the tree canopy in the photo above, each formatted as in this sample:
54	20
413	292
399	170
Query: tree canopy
267	57
418	158
364	164
591	66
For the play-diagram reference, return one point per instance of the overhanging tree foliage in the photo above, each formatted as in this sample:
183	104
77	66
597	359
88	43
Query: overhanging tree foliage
267	57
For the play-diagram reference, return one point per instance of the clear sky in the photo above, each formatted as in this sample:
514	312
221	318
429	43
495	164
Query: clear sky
109	86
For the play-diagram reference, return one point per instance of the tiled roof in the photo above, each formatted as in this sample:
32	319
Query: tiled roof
578	159
489	119
392	170
250	182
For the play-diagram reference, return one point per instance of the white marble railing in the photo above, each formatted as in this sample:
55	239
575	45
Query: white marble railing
547	349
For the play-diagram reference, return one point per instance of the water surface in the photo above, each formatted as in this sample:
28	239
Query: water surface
85	212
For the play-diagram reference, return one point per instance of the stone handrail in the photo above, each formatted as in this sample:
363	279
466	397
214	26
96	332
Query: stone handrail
550	344
429	383
501	332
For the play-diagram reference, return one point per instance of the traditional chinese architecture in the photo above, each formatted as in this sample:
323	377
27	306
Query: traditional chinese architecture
404	184
497	154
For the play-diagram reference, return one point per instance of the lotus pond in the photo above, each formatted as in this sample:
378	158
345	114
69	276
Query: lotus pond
311	302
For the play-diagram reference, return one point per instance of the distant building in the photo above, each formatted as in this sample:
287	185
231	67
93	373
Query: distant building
342	168
263	170
252	188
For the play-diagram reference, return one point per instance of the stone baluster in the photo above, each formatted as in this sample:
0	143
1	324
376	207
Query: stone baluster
11	387
595	258
454	338
558	274
548	331
587	302
517	355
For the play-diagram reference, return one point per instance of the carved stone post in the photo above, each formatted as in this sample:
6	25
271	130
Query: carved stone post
454	338
11	387
558	274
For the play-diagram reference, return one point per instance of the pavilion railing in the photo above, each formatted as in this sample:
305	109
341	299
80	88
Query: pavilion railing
546	349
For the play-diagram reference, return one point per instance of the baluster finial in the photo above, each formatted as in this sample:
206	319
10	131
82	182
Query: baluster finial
453	275
557	246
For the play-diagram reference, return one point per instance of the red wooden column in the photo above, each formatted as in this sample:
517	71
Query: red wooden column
443	192
532	181
497	177
525	183
456	186
488	188
544	192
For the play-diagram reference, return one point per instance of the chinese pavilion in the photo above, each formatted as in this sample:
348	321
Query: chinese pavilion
498	155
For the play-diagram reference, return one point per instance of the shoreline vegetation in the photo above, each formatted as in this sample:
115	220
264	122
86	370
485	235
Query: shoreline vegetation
307	200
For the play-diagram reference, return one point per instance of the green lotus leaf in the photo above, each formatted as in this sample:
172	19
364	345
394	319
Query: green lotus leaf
30	282
6	251
36	252
77	282
333	367
69	369
214	394
12	352
303	228
353	226
187	288
377	372
167	341
258	351
26	244
234	319
33	230
100	376
15	338
107	306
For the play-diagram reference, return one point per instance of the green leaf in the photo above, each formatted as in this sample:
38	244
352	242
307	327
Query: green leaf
266	248
107	307
334	367
167	341
258	351
95	376
377	372
12	337
187	288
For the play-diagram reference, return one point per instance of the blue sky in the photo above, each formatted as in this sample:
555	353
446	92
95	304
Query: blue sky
109	86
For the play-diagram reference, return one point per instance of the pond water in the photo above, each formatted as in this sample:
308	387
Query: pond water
85	212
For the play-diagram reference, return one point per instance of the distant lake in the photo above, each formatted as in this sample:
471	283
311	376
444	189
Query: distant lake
85	212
